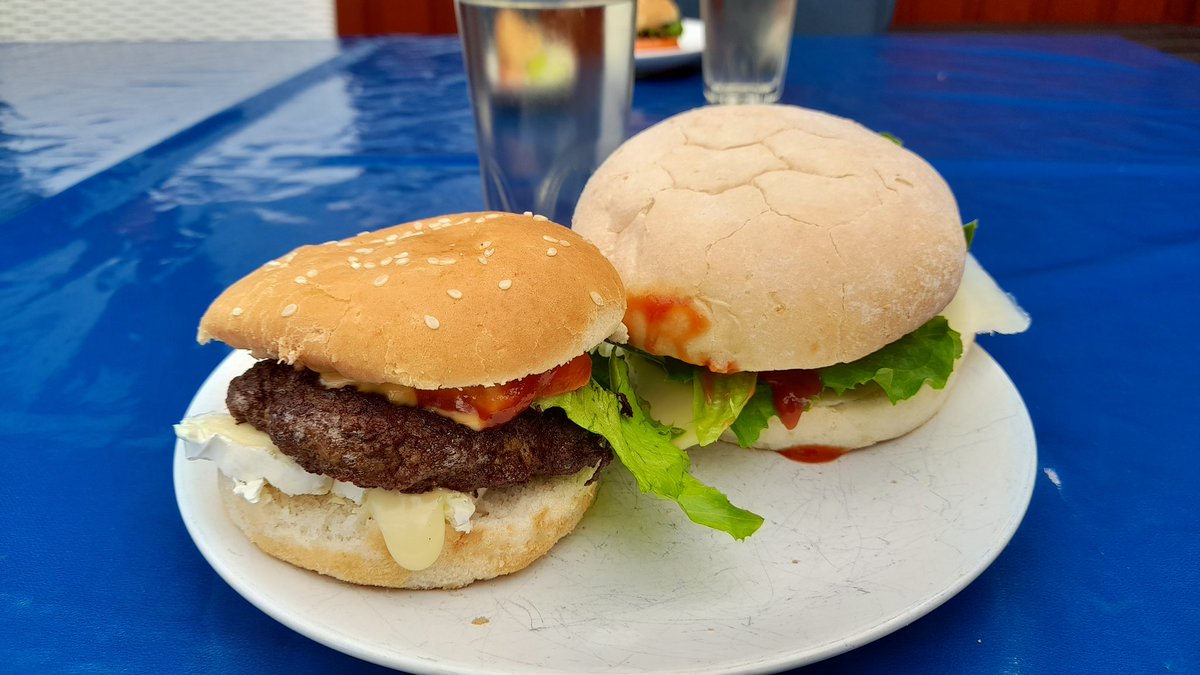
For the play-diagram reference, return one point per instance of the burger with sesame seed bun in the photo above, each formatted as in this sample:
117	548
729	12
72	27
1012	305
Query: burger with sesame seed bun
422	410
797	282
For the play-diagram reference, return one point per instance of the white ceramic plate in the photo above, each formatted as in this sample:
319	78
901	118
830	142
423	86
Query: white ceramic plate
691	46
850	551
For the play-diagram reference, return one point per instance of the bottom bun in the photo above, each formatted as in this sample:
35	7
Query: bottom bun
511	528
857	419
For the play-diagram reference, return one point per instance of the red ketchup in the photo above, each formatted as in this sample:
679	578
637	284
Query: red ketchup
665	325
791	390
500	403
814	454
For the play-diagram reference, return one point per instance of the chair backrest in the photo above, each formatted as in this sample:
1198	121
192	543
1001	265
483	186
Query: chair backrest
165	20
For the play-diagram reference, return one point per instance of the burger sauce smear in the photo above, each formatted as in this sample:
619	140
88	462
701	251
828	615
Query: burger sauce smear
662	324
791	391
498	404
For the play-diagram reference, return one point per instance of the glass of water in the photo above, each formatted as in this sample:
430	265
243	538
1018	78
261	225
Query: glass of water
746	49
550	84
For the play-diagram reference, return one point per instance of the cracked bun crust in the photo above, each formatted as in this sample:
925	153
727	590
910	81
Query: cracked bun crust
772	237
460	300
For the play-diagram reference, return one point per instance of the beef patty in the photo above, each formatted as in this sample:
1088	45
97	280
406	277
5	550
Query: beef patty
366	440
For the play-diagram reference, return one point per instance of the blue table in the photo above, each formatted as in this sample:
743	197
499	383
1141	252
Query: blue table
138	181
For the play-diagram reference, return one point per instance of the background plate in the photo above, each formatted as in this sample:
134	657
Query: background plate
850	551
691	47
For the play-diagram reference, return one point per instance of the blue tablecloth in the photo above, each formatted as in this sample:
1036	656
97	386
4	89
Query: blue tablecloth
136	184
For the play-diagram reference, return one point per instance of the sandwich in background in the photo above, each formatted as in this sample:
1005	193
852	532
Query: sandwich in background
794	278
658	24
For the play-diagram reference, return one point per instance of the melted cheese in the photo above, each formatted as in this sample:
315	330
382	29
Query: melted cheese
413	525
396	393
399	394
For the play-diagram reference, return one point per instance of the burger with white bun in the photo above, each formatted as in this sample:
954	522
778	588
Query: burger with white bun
409	420
796	281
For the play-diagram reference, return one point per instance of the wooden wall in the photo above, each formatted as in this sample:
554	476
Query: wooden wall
432	17
932	12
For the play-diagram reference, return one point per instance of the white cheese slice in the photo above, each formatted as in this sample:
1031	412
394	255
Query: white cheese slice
412	524
981	306
246	455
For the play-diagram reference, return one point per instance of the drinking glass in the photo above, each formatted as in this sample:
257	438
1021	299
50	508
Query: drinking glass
746	46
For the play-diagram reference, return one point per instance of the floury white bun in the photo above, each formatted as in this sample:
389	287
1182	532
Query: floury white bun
385	437
777	238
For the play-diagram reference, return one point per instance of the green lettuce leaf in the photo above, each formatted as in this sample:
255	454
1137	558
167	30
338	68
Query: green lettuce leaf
969	232
755	415
718	400
667	30
644	447
924	356
892	138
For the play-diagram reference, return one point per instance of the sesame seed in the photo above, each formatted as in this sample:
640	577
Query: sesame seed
311	273
364	251
551	251
289	310
401	261
355	265
389	243
301	280
549	238
485	244
597	299
432	322
528	214
563	242
392	237
385	262
362	234
237	311
489	252
274	263
492	216
462	220
380	280
432	261
454	293
480	219
505	284
482	260
352	258
368	266
344	244
418	226
540	217
443	219
330	242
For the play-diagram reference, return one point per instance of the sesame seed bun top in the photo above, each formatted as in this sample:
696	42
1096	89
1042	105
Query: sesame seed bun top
772	237
460	300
